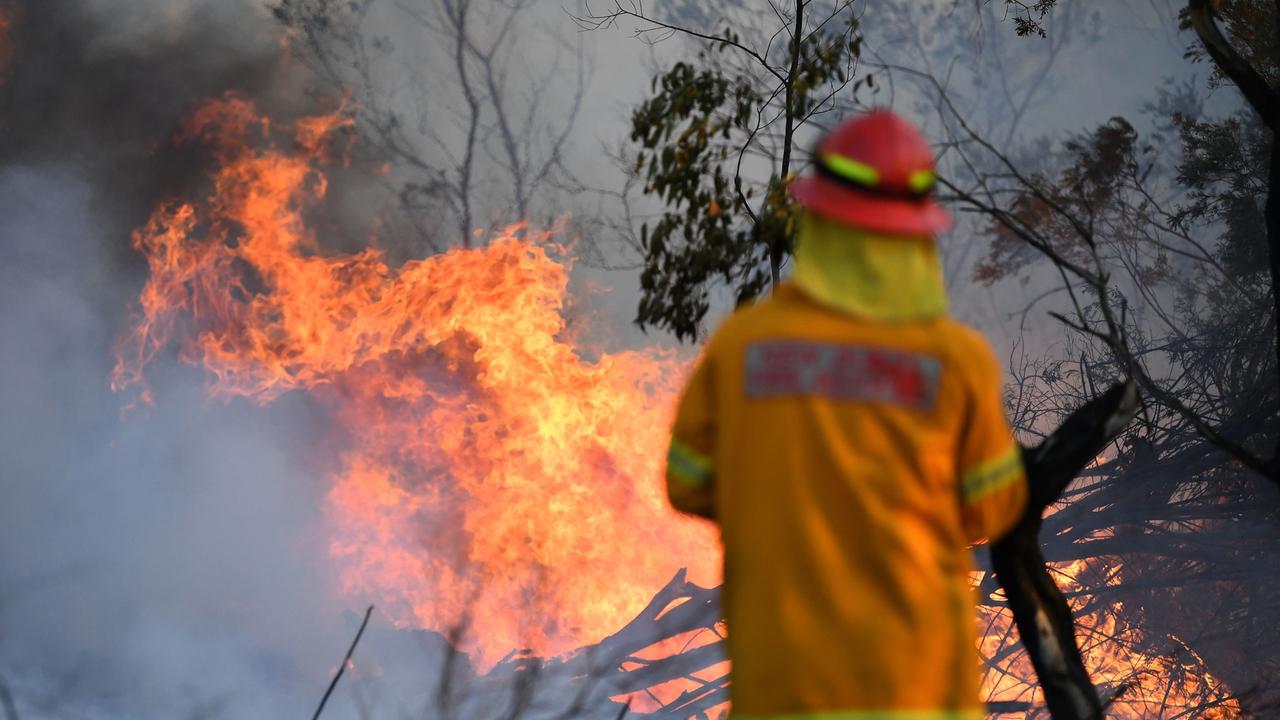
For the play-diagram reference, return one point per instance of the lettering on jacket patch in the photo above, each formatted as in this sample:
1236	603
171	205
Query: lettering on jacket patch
778	368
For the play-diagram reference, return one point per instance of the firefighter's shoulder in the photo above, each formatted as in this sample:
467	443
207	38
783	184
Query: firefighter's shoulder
970	348
749	314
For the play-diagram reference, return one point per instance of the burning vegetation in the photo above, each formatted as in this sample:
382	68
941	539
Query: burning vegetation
492	483
1138	675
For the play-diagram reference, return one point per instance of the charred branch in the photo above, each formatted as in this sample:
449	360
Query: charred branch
1040	611
346	660
614	666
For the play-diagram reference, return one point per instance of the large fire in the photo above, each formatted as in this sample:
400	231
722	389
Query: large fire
1138	674
496	483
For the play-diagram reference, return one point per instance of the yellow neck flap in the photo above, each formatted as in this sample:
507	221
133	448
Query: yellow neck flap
879	277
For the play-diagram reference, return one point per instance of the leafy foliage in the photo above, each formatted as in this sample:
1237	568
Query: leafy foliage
1224	159
1028	17
1163	251
1224	171
1161	245
1251	26
701	235
700	141
1099	182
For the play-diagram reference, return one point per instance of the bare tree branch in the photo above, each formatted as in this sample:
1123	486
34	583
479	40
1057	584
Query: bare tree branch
593	21
346	660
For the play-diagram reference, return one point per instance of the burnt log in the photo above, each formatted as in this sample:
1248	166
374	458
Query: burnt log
1039	609
582	684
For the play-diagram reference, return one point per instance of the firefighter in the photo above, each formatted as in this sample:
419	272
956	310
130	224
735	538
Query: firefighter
848	437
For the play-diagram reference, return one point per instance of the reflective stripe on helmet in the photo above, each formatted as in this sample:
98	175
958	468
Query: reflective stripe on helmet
862	175
851	170
921	181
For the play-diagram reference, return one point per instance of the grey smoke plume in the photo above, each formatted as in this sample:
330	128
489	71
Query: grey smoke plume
168	563
171	562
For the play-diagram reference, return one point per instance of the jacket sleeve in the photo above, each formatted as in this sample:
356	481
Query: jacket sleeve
993	483
690	468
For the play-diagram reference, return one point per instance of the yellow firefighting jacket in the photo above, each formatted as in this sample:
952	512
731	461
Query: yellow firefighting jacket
850	461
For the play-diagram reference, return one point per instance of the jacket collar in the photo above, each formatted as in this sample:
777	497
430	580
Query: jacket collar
879	277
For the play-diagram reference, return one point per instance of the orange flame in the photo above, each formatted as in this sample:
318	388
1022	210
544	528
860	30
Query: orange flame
1116	653
493	478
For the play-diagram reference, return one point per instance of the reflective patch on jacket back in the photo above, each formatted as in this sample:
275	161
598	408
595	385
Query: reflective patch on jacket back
779	368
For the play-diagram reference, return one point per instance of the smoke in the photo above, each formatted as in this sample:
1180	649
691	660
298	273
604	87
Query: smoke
173	561
99	86
149	565
168	563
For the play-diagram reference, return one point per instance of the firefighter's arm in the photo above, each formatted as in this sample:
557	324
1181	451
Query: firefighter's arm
690	472
993	483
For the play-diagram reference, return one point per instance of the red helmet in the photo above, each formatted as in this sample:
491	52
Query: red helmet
875	172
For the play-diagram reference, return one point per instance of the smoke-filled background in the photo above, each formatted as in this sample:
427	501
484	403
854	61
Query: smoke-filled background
175	561
168	564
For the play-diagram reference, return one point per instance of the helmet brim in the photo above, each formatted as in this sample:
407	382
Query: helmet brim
878	213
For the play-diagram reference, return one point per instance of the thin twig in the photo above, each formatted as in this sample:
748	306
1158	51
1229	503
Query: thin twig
593	22
345	661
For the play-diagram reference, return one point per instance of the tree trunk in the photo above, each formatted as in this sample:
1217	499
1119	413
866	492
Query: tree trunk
1265	100
1039	609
